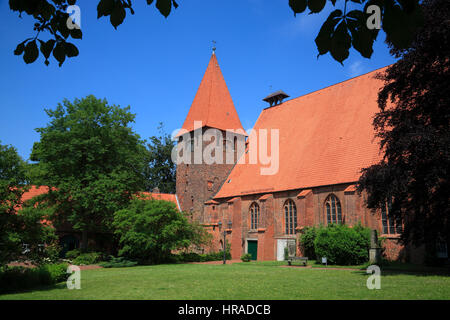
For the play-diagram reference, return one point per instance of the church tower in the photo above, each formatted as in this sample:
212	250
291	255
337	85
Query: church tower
209	144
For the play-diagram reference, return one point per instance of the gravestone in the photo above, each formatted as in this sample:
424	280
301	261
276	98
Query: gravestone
292	250
375	250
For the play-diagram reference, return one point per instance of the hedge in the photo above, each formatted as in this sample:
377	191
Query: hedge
14	279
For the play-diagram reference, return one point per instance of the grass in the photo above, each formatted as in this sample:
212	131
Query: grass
252	280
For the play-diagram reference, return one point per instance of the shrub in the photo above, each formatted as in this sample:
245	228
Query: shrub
246	257
51	252
58	272
195	257
343	245
20	278
87	258
149	230
119	262
73	254
306	242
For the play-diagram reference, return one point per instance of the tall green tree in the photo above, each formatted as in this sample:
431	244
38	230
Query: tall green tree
161	171
93	161
18	225
12	186
413	126
345	28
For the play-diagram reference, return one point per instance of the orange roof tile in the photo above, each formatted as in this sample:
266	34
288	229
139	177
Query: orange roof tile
325	137
350	189
264	197
162	196
304	193
33	192
212	104
211	202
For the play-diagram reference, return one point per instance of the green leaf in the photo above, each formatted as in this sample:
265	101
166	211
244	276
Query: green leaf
298	6
362	41
60	53
117	15
47	47
62	26
401	24
362	37
316	5
323	39
76	33
71	50
31	52
20	48
164	6
341	42
105	8
47	10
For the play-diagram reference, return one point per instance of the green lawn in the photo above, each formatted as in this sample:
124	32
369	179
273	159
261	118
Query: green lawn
254	280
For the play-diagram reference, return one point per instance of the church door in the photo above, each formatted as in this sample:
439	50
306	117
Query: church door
252	248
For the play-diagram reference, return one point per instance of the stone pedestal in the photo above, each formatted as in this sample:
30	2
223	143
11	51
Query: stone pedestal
375	250
374	255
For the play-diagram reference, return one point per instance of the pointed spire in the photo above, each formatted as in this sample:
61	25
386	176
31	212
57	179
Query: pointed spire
212	104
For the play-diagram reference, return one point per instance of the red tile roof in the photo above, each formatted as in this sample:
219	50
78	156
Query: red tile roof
304	193
211	202
325	137
212	104
35	191
162	196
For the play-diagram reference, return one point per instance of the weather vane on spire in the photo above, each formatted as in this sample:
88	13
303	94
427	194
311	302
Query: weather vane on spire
214	46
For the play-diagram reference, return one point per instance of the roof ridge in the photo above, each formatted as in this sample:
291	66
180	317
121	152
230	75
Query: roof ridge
331	85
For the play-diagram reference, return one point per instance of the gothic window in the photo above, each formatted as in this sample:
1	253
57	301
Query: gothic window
390	225
334	211
290	216
254	216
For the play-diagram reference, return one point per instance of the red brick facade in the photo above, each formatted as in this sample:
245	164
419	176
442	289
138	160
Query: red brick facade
310	208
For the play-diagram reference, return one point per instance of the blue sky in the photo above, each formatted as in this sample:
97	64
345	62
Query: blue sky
155	65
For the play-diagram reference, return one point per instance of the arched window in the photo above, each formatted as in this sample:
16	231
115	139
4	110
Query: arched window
254	216
290	216
334	211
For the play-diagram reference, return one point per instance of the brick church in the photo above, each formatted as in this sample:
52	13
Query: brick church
298	167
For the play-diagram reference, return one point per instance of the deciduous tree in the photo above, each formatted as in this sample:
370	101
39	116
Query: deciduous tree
161	171
93	161
413	126
19	225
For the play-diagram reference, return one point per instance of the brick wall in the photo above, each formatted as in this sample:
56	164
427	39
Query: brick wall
310	206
